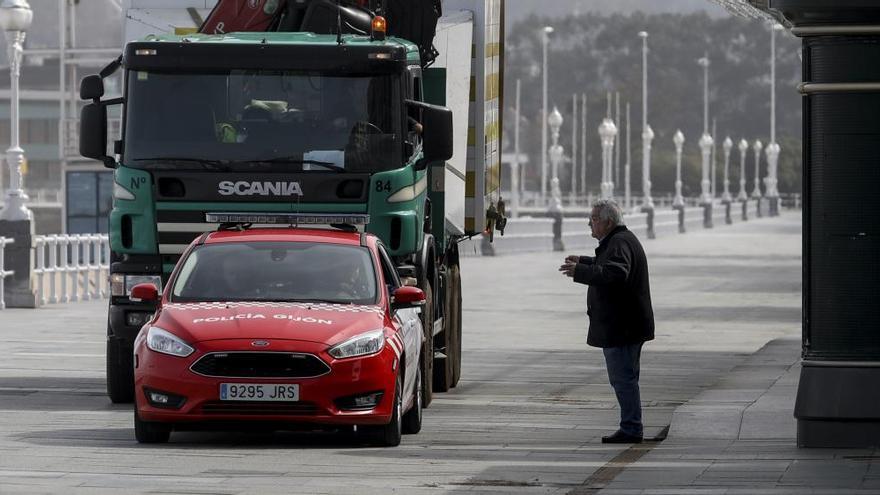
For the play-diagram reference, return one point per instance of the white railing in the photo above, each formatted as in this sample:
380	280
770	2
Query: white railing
70	268
4	272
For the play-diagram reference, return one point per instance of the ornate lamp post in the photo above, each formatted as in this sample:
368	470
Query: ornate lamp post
756	193
772	149
545	39
647	137
706	143
607	133
743	197
554	120
678	202
725	197
15	19
16	220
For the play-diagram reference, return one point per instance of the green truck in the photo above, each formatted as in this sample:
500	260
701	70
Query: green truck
332	123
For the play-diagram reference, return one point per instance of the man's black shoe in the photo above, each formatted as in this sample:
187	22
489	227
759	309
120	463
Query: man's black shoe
621	437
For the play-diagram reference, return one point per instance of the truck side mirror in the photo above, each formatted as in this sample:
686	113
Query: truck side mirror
91	87
93	134
437	137
437	134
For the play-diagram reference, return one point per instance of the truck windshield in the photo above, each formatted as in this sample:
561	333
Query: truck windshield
277	271
267	120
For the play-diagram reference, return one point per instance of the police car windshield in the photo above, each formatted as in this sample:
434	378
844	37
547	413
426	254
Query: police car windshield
277	271
263	120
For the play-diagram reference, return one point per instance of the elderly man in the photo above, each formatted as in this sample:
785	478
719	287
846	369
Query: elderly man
619	308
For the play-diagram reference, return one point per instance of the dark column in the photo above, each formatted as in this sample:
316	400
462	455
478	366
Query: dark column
838	402
18	289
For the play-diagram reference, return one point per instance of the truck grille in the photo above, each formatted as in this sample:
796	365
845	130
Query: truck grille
260	365
261	408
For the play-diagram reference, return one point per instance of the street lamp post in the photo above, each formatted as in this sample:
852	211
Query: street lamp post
772	149
514	165
554	120
678	202
607	133
545	39
15	19
16	220
626	177
726	199
647	137
706	143
743	197
756	193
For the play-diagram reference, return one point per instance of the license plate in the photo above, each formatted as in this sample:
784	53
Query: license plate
269	392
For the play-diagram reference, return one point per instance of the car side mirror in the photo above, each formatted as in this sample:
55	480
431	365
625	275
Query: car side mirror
407	297
144	293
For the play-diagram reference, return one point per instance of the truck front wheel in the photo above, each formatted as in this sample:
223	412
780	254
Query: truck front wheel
443	366
120	372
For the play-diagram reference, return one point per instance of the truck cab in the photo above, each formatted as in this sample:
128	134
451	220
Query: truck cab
296	128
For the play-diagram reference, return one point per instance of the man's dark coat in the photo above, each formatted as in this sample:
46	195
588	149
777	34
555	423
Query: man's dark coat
619	298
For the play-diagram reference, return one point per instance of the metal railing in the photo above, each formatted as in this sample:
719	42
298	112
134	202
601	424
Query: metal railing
3	271
70	268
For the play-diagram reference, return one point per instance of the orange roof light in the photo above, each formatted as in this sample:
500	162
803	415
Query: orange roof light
379	26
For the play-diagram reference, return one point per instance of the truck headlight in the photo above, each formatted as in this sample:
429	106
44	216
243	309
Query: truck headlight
359	345
166	342
120	284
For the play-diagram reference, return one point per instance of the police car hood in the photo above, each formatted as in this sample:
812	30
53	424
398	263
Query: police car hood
313	322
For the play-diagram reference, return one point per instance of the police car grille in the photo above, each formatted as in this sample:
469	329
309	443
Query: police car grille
261	408
260	365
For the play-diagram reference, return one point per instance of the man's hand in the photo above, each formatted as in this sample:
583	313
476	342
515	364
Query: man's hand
572	258
567	268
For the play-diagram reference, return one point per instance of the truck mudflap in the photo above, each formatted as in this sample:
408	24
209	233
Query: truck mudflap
231	16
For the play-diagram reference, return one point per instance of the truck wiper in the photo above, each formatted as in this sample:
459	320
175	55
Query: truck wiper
213	164
300	161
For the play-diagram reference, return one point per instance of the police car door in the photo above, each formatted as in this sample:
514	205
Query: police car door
409	322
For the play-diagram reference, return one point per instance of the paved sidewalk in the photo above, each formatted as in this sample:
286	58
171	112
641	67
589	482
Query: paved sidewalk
738	437
526	418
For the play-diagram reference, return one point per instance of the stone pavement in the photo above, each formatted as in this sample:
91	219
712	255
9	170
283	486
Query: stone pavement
526	418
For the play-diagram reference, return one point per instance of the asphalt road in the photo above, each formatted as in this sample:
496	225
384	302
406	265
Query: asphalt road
526	417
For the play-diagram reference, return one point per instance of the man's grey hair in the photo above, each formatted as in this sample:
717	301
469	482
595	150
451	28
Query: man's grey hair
608	209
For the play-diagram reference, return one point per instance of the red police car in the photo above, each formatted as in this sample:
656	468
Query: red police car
281	327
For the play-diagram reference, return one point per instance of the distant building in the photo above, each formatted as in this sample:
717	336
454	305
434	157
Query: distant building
92	36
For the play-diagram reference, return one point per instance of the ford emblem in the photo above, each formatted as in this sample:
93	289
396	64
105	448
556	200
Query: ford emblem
260	343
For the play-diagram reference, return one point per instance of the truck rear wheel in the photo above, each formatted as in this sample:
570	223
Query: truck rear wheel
120	372
428	347
455	321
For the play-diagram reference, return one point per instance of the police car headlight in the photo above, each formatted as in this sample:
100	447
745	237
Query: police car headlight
360	345
167	343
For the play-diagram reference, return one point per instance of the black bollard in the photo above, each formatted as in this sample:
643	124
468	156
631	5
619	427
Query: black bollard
707	215
727	219
650	221
558	245
758	213
681	229
745	206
